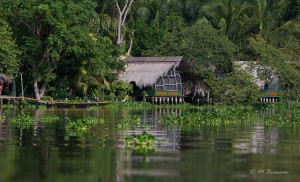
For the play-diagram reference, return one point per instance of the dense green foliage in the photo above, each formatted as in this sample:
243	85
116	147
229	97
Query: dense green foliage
201	44
81	127
141	144
284	114
130	122
237	87
284	65
217	116
9	64
23	120
48	118
71	49
26	120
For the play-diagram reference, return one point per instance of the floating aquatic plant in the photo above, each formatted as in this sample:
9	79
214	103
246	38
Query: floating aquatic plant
217	116
2	118
48	118
23	120
130	122
147	105
285	118
131	105
83	126
141	144
7	106
282	114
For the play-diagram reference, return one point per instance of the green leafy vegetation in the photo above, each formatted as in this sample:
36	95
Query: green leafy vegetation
23	121
217	116
79	58
26	105
147	105
141	144
131	105
9	63
48	118
2	116
7	106
283	64
130	122
283	114
202	45
82	127
237	87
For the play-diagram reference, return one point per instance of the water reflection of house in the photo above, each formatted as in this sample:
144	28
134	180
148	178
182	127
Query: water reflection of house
162	79
167	147
166	138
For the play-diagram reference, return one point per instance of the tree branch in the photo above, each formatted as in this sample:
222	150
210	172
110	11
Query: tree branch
126	12
125	7
118	7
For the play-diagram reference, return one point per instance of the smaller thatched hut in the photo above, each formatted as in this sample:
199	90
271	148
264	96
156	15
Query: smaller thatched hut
156	77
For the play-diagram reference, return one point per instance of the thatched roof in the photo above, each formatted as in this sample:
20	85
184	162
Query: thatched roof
145	71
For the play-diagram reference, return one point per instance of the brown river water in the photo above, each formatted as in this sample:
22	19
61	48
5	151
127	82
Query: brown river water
44	152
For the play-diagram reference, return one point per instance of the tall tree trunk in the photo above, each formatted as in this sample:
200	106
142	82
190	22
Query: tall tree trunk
39	92
120	39
131	44
122	15
1	87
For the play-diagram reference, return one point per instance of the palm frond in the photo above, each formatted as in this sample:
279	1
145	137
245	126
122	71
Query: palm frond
81	88
295	53
91	81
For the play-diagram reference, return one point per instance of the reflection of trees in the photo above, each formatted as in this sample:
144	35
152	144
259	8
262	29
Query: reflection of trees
1	115
2	130
166	141
166	138
264	140
46	154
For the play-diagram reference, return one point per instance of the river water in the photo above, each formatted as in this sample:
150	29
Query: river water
44	152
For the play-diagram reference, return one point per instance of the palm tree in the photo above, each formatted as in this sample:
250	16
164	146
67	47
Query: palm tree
231	18
261	6
105	24
191	9
156	11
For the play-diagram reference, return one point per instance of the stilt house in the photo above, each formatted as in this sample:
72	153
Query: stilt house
159	79
154	77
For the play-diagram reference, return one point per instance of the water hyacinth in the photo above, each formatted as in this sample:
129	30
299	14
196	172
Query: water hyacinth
141	144
127	123
81	127
217	116
282	114
131	105
23	120
2	116
48	118
147	105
